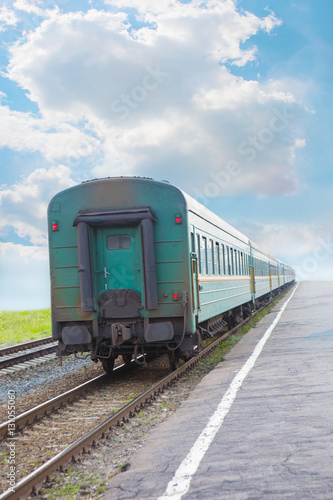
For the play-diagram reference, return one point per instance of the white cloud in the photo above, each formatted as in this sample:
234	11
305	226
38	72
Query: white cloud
298	144
23	206
87	60
24	253
7	18
24	269
29	6
284	239
307	247
25	133
24	277
158	98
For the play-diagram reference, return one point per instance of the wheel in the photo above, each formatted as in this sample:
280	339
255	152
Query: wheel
108	365
127	358
174	360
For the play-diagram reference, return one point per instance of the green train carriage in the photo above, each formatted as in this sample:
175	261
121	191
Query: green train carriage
137	266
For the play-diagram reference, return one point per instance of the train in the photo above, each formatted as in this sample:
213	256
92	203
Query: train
138	266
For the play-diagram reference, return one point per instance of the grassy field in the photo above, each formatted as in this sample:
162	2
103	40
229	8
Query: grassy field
16	327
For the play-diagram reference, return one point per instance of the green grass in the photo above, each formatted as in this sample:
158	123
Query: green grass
16	327
75	484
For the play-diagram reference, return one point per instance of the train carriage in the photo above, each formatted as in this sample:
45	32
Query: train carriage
138	265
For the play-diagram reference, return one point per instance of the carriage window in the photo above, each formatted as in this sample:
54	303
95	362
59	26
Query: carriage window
222	258
228	262
119	242
217	259
211	258
199	252
231	267
204	256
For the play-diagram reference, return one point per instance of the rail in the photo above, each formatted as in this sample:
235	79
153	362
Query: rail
4	351
27	356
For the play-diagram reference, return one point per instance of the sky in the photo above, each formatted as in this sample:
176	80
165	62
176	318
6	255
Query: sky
229	100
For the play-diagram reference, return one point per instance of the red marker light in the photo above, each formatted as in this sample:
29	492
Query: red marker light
178	219
175	296
54	226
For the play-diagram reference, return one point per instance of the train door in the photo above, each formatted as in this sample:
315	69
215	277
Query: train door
119	261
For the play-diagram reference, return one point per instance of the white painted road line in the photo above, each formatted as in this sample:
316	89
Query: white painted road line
180	483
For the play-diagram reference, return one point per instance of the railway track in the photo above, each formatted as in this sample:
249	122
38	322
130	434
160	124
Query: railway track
118	412
21	353
33	415
12	349
102	396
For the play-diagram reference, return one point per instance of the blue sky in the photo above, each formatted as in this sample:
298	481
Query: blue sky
230	100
